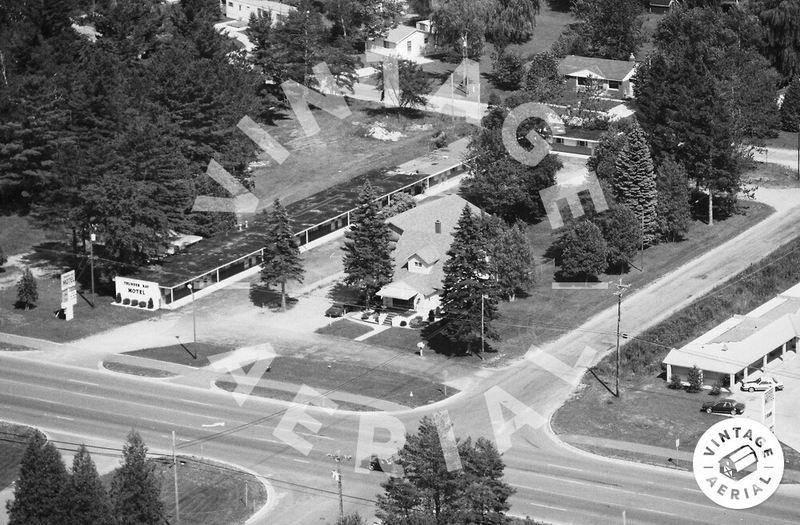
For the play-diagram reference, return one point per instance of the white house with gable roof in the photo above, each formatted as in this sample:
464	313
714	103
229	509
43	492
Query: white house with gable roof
410	43
242	9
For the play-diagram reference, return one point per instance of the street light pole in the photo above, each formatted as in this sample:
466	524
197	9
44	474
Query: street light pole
175	477
482	330
620	289
337	474
194	314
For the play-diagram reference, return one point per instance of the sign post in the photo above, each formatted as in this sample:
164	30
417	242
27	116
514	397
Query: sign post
768	409
69	296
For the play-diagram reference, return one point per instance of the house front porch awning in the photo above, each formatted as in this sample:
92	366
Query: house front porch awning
400	290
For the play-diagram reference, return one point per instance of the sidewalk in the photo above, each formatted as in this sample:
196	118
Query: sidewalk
658	455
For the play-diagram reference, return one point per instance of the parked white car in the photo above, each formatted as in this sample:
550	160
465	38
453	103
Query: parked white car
762	383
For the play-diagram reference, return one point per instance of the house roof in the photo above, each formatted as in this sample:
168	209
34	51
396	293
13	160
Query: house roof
574	65
398	290
400	33
417	236
743	339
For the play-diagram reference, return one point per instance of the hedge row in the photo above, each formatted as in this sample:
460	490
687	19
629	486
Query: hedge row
746	291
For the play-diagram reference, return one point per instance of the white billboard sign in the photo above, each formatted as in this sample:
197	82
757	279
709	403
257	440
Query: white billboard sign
68	280
137	290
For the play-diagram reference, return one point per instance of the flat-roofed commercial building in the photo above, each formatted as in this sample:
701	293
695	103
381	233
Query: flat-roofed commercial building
743	344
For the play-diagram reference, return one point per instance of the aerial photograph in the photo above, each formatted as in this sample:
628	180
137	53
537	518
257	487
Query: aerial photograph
399	262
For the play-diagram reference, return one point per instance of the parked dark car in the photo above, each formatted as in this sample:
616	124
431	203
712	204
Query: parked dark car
383	465
336	310
723	406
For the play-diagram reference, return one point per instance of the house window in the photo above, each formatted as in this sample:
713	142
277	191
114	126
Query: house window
230	4
613	84
408	46
387	45
582	81
425	41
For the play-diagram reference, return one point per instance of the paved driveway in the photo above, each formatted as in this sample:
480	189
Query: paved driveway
786	425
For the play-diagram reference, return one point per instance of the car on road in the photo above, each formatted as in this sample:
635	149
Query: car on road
723	406
762	383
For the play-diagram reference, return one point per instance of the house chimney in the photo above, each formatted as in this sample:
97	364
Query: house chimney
437	226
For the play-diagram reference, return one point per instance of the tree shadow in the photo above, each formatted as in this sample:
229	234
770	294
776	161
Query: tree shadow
20	305
347	296
264	297
442	345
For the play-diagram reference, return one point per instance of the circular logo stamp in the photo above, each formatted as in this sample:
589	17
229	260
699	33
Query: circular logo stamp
738	463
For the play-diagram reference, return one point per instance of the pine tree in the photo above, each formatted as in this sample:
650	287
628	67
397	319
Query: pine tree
468	288
790	108
84	500
3	258
673	210
281	254
42	476
135	490
623	235
635	183
27	294
368	262
583	252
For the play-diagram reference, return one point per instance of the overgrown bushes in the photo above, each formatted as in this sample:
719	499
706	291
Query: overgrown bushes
747	290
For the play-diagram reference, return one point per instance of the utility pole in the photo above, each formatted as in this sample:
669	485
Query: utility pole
175	477
482	330
620	290
642	235
92	238
194	314
337	475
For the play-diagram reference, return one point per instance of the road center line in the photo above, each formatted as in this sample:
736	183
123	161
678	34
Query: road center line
82	382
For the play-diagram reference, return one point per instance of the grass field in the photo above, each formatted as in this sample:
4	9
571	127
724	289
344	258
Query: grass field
773	176
136	370
647	410
183	354
345	328
378	382
546	313
13	440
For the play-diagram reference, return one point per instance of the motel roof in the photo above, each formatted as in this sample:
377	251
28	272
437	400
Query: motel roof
743	339
221	249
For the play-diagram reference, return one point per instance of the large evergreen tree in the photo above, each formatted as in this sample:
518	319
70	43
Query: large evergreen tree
635	182
84	500
135	490
603	161
790	108
27	292
42	476
368	262
281	253
429	493
673	210
469	291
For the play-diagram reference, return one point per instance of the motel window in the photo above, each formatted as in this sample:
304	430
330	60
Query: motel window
582	143
559	140
408	46
613	84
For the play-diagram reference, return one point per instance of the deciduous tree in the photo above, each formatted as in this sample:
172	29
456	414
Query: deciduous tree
367	260
583	252
541	80
790	108
429	493
460	21
611	28
135	490
281	253
468	290
510	256
781	45
42	476
413	83
622	232
511	22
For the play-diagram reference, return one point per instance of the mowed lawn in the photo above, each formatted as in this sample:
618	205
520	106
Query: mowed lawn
546	313
380	382
188	353
345	328
13	440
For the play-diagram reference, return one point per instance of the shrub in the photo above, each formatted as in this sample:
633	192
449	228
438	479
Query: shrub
119	298
431	316
126	301
365	316
416	322
403	323
695	380
675	382
142	304
507	70
150	303
135	303
438	311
